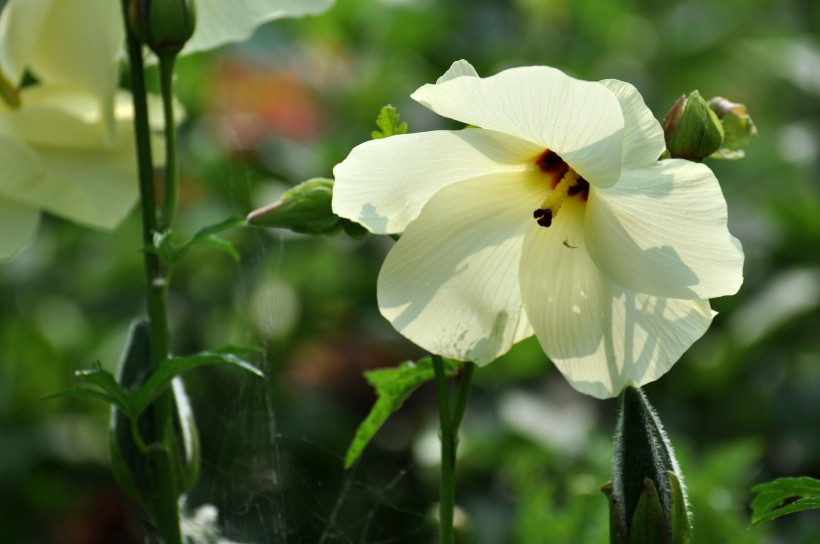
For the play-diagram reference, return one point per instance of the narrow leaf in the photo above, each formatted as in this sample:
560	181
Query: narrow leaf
393	386
770	502
680	520
104	380
175	366
648	524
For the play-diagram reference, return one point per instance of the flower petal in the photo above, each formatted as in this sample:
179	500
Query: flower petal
20	24
220	22
450	284
18	221
86	178
601	336
68	51
643	135
579	120
19	224
383	184
662	231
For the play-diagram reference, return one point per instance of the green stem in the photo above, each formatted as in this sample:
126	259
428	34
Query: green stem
171	197
163	495
448	454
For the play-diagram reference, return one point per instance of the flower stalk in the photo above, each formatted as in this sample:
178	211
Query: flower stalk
449	421
162	496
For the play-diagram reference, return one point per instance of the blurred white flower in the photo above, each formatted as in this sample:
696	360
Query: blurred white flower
69	148
554	218
58	157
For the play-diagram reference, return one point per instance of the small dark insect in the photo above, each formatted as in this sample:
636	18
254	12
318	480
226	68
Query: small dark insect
567	244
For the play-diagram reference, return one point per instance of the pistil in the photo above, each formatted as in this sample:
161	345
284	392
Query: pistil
570	184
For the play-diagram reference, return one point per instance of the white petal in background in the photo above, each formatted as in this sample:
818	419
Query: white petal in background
86	179
662	231
20	24
384	183
18	221
579	120
601	336
220	21
450	284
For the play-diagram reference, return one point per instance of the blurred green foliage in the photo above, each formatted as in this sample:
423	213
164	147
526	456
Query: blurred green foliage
741	406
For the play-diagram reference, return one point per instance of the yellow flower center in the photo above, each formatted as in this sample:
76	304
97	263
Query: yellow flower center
565	183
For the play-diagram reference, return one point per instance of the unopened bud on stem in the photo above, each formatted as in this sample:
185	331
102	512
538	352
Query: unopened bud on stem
163	25
692	130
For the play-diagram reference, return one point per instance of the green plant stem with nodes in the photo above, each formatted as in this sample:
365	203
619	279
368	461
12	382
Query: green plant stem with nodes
162	500
450	422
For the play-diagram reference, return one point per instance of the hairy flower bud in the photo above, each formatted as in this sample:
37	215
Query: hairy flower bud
647	500
163	25
692	130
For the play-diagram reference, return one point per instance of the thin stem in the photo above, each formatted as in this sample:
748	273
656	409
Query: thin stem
163	494
171	196
448	454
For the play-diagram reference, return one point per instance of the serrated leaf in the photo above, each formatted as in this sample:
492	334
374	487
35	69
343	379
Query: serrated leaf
175	366
388	123
393	386
771	497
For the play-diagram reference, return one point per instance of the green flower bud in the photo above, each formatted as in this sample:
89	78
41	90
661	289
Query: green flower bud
738	127
163	25
647	501
306	209
691	129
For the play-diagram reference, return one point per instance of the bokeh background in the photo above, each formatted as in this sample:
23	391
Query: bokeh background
742	406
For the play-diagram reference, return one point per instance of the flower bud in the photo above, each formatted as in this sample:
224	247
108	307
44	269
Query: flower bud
691	129
306	209
738	127
647	501
163	25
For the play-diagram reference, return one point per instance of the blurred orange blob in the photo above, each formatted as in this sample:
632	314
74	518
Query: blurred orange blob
248	102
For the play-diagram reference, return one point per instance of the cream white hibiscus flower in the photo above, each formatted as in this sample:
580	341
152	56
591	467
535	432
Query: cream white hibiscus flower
555	217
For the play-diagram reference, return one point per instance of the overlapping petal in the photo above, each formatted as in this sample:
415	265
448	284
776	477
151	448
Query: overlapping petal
643	140
383	184
601	336
579	120
18	223
662	231
450	284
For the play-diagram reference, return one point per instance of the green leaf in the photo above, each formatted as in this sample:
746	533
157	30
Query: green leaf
770	502
648	523
388	123
680	523
175	366
171	253
393	386
104	380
